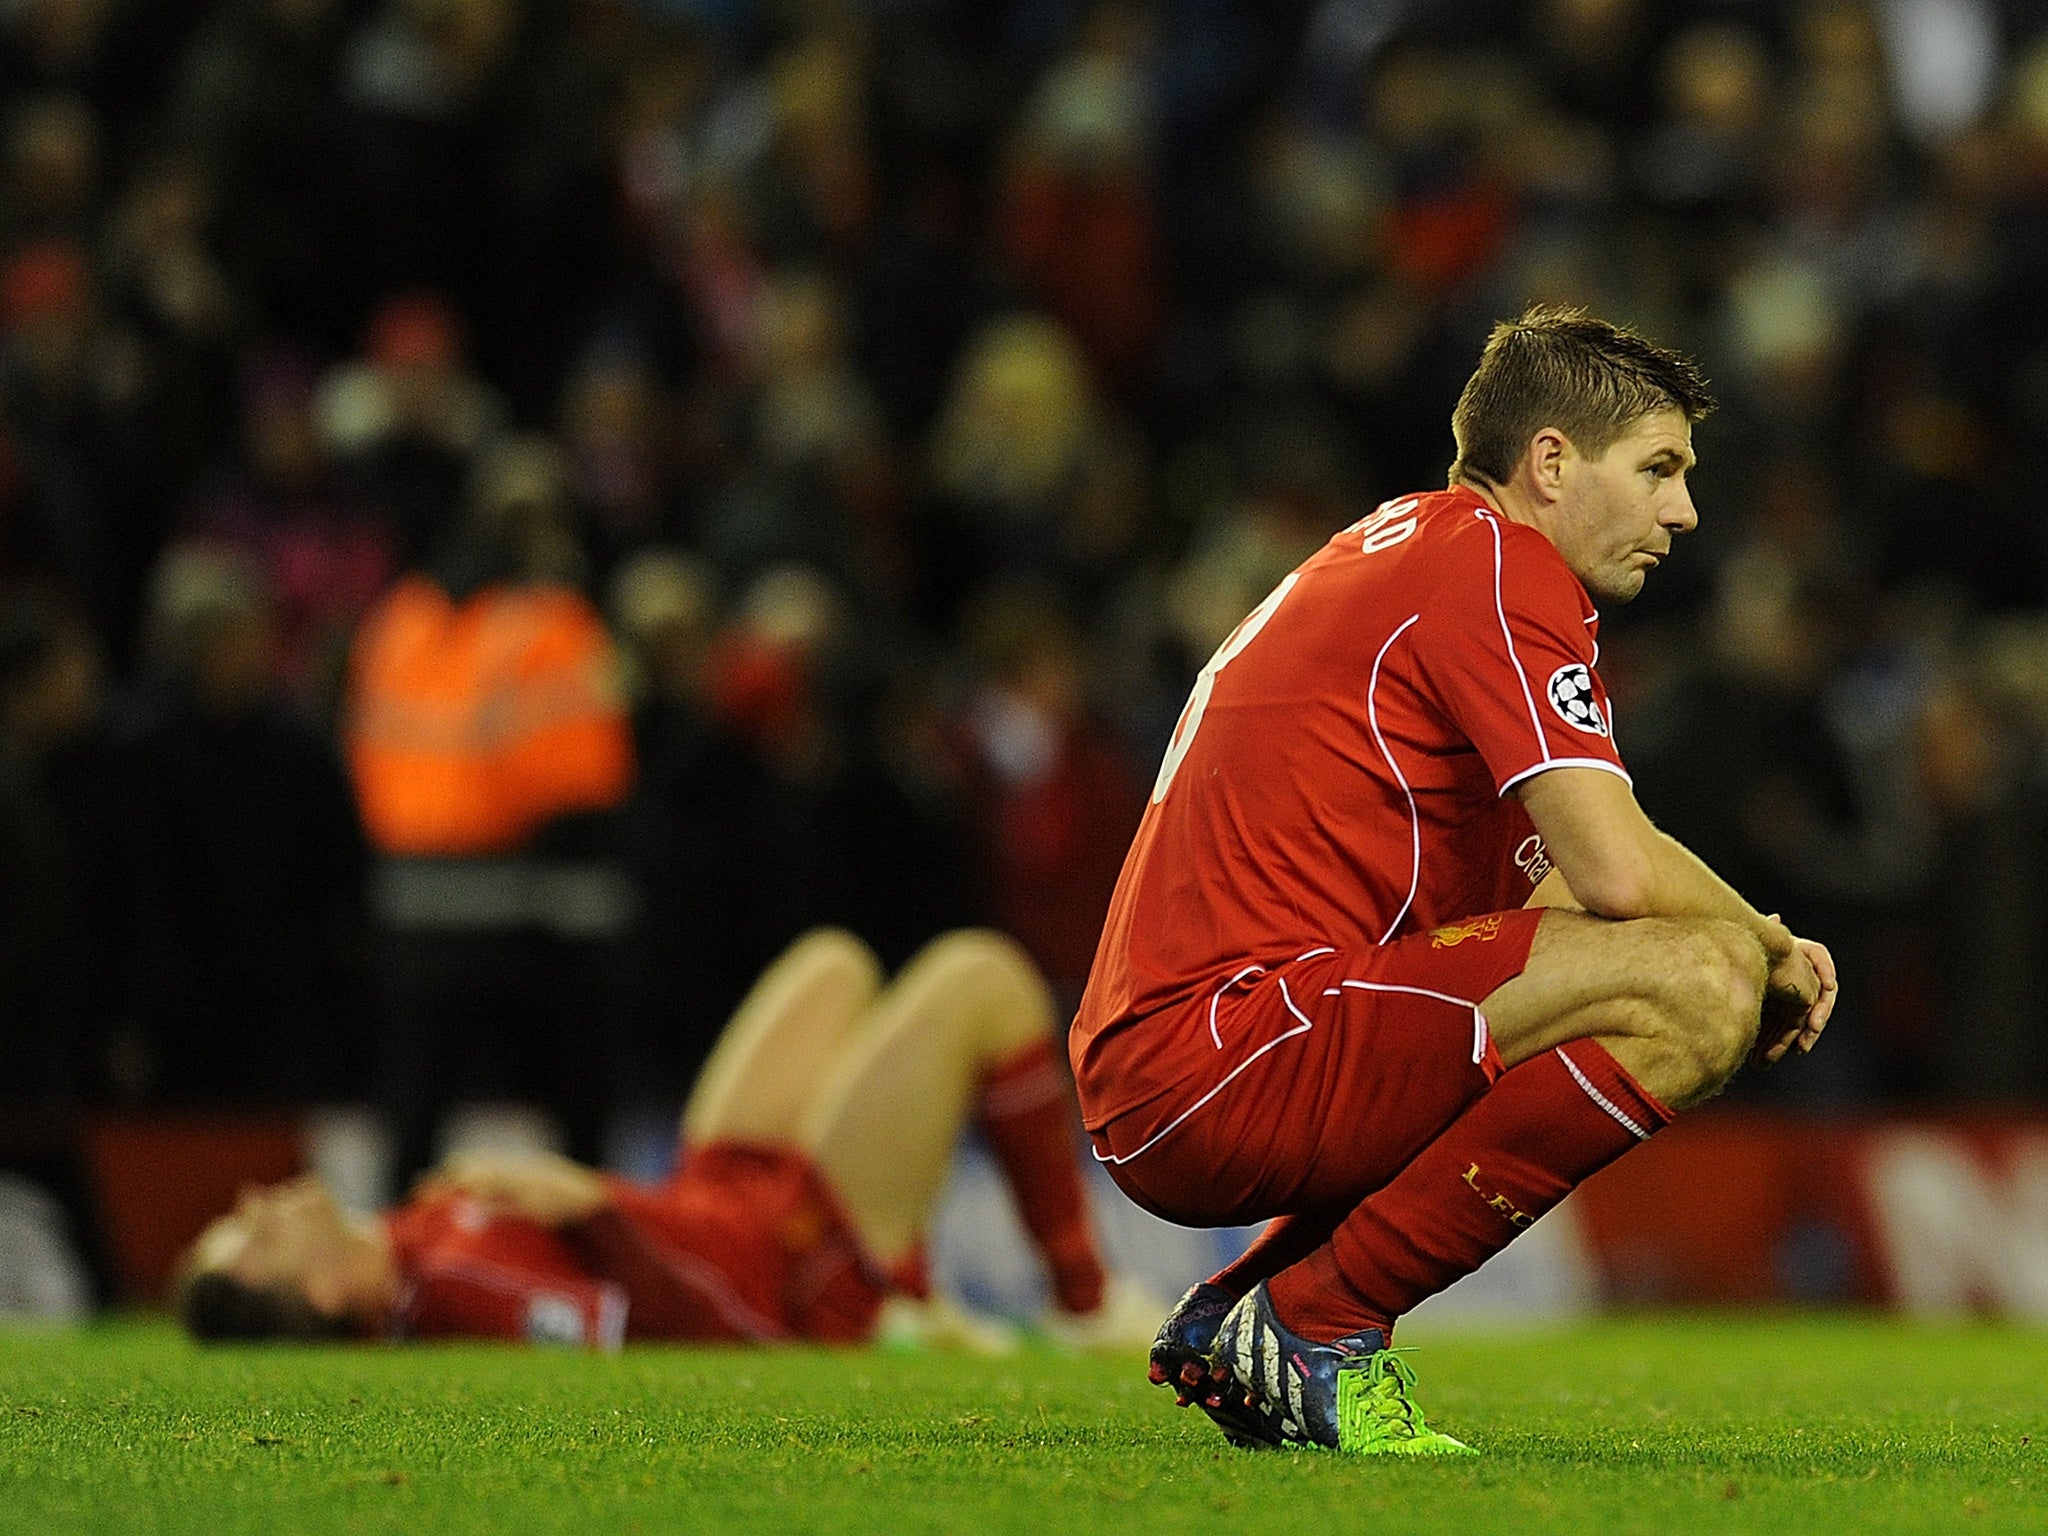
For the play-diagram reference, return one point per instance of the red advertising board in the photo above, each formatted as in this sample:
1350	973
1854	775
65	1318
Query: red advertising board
1934	1214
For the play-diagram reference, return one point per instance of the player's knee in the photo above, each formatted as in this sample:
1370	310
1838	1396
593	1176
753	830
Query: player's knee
835	949
976	949
1725	973
981	963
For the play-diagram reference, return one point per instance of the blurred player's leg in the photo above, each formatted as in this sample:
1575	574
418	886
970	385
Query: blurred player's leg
1028	1117
967	1025
798	1017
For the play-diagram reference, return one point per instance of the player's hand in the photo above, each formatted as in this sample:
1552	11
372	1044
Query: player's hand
1799	997
539	1186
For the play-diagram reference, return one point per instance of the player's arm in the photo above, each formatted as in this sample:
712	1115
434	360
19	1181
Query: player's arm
1553	890
1617	865
539	1186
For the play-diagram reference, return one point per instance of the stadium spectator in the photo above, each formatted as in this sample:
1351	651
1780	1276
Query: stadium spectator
248	863
707	920
1077	217
257	99
1053	795
860	822
1836	823
425	83
278	499
172	293
113	57
1381	780
77	396
53	973
624	472
814	1151
488	738
1027	471
407	421
817	431
53	170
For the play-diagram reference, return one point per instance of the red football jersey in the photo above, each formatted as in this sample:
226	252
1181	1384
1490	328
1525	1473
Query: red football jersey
744	1242
468	1272
1340	774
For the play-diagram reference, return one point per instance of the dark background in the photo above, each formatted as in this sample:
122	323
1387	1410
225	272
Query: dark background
971	369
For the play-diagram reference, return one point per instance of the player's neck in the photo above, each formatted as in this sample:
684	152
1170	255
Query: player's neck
1512	501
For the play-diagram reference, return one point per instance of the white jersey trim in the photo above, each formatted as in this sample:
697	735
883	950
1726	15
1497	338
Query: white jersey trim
1612	1108
1372	715
1250	970
1480	1028
1175	1123
1388	986
1549	763
1479	1047
1500	609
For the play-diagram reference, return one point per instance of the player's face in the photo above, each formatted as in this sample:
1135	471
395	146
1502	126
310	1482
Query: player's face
288	1236
1619	513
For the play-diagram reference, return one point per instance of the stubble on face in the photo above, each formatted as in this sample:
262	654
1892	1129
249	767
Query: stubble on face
1628	504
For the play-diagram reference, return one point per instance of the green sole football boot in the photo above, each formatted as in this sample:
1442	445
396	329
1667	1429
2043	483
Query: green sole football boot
1378	1416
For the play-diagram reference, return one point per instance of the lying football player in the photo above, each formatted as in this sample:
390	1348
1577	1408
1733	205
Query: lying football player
814	1149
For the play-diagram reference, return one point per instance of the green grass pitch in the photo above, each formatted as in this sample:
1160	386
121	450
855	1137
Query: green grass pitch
1664	1425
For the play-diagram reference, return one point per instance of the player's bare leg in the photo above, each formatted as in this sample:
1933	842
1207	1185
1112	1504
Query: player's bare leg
967	1029
888	1110
1677	1003
796	1019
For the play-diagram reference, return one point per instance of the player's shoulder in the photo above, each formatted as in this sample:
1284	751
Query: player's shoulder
1449	557
1425	523
1445	535
1475	544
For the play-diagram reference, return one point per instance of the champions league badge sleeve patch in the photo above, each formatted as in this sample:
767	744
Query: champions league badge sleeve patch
1571	695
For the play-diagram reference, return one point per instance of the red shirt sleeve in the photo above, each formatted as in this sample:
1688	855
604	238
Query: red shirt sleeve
1508	657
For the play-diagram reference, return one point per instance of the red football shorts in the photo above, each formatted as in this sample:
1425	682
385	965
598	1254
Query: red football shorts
1309	1084
760	1235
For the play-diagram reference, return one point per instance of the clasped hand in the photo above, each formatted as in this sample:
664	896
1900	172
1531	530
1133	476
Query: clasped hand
1799	994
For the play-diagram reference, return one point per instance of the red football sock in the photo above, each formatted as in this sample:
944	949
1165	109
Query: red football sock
1286	1240
1544	1126
1029	1122
911	1275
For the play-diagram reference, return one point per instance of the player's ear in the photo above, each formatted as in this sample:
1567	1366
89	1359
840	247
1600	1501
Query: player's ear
1548	450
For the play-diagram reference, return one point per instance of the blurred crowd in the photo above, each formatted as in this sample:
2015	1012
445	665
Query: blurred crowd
511	509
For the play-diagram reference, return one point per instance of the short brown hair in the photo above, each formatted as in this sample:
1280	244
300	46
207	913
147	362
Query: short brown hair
1564	368
217	1308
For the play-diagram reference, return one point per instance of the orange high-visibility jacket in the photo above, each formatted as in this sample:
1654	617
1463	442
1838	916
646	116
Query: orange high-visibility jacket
471	724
